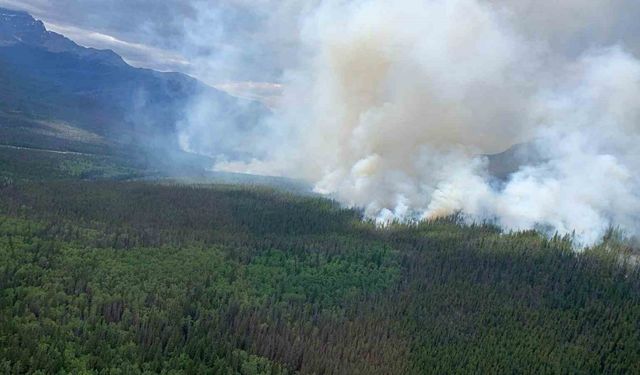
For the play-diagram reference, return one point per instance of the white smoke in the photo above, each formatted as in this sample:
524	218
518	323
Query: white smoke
393	106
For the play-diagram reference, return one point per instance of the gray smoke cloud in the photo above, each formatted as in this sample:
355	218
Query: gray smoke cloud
394	106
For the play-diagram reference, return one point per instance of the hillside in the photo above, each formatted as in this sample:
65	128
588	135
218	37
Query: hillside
108	277
55	94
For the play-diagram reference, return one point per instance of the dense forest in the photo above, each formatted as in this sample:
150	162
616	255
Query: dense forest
111	277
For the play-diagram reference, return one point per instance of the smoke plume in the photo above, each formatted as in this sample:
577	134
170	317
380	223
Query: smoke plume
396	107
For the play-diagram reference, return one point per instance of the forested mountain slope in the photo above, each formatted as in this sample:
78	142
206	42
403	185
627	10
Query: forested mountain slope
55	94
131	277
109	266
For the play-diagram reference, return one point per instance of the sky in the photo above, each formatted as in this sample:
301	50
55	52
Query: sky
232	41
145	35
220	42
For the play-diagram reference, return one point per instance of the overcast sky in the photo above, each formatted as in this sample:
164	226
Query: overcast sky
217	41
223	41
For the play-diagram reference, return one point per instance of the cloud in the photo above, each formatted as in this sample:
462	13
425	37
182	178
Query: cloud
393	108
221	40
134	53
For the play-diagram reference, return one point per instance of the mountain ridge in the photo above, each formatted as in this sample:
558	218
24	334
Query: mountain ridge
21	27
46	77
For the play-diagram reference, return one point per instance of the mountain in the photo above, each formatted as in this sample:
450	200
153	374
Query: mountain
55	94
18	27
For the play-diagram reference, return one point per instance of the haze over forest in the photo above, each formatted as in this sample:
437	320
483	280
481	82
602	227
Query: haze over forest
394	108
319	186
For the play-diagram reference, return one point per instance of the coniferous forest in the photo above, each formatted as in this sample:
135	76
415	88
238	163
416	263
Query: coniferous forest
108	277
123	253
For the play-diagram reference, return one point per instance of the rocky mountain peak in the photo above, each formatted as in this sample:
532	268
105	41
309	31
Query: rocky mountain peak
18	27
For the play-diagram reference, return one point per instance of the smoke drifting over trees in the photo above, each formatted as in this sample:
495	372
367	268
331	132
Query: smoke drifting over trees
395	107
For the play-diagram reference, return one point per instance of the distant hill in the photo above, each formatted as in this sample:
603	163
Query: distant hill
55	94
